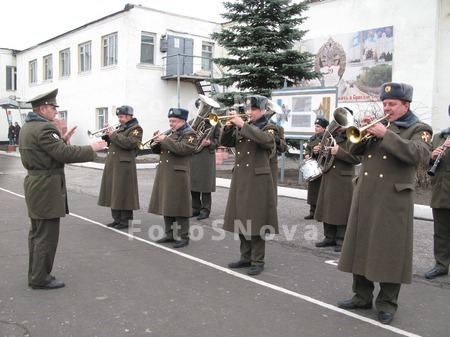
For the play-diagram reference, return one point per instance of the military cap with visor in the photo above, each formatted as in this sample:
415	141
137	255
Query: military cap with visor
48	98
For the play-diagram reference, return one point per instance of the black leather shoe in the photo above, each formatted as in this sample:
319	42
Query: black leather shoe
338	248
180	244
325	243
309	217
385	317
435	272
53	284
239	264
350	305
120	226
112	224
194	214
255	270
165	239
202	216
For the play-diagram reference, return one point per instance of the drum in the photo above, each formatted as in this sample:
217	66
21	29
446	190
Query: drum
310	169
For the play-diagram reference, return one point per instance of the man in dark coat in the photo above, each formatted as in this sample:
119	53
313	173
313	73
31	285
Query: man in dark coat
203	171
440	204
251	209
171	194
378	243
335	194
311	152
16	133
119	187
43	152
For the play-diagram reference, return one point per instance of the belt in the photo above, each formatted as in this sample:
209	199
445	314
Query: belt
48	172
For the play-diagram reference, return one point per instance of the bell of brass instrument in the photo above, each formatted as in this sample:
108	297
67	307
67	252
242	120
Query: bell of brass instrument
143	145
214	119
100	132
199	125
355	134
342	118
272	109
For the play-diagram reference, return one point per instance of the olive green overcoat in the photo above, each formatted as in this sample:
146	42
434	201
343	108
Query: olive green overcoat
251	200
336	188
440	183
43	153
119	186
171	194
378	243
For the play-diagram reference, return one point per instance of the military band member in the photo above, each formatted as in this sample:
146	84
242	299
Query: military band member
378	243
119	186
171	195
251	208
336	182
203	171
312	151
43	153
440	204
281	146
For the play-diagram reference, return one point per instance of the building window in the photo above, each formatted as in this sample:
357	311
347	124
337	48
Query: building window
48	67
33	71
109	44
207	54
101	118
85	57
147	48
64	63
11	78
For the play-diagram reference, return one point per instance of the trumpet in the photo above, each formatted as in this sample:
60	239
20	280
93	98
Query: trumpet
355	134
142	145
100	132
214	119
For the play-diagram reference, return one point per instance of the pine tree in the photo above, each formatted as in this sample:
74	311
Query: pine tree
259	40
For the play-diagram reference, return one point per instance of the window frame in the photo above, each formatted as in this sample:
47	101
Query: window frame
110	49
11	78
85	57
207	60
47	67
32	71
146	46
64	63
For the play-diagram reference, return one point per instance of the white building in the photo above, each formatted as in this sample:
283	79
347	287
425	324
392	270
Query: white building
130	57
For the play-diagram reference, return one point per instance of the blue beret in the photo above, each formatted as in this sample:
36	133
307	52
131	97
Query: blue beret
401	91
178	113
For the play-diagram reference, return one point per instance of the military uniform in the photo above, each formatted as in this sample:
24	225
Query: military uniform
378	244
440	204
171	194
281	147
251	209
335	195
119	186
43	153
203	175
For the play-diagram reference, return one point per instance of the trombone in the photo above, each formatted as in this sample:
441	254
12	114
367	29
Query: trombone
355	134
142	145
100	132
214	119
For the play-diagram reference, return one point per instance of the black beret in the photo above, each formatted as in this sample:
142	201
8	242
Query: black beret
125	110
178	113
48	98
401	91
322	122
256	101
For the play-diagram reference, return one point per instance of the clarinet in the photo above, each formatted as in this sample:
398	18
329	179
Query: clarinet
432	170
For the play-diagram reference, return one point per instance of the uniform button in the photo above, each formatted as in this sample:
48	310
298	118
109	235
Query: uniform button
160	161
168	151
248	152
248	165
248	140
167	160
334	166
381	175
366	173
240	140
114	153
237	165
238	153
369	156
384	157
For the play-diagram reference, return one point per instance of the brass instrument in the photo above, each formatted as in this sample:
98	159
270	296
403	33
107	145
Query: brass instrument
214	119
101	132
342	118
355	134
199	124
142	145
272	109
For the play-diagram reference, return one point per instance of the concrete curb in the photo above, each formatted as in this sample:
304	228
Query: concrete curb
420	211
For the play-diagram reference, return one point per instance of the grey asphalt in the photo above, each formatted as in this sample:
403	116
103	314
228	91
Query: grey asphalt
121	283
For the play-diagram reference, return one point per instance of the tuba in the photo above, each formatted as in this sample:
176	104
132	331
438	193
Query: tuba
272	109
199	123
342	118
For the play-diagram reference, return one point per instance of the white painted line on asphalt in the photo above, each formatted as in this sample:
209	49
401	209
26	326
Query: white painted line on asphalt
245	277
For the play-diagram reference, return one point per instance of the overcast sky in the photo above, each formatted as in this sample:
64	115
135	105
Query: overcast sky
25	23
